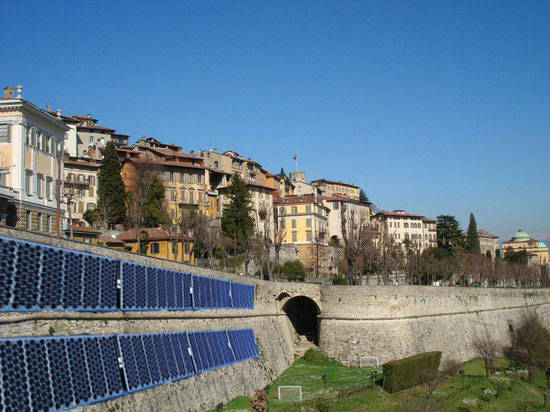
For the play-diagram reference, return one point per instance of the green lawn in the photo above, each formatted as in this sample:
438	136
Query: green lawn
507	391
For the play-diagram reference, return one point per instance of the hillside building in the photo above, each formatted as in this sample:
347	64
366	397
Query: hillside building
521	241
488	242
31	151
400	226
332	188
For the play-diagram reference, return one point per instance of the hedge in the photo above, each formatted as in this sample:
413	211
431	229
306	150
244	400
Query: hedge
412	371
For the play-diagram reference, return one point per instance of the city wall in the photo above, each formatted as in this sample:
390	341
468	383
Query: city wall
384	321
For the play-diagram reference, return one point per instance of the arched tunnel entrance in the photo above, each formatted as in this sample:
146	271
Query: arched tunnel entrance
302	313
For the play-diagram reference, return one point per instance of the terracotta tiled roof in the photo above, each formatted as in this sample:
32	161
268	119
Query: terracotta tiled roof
333	182
169	152
399	214
153	233
83	229
486	234
93	126
110	239
291	200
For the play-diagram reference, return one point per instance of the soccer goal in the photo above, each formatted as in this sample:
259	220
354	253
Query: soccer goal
290	393
366	361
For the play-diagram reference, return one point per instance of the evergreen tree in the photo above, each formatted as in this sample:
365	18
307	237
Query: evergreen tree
111	192
237	223
363	196
153	213
449	234
472	237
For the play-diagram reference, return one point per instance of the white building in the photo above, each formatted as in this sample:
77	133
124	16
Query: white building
400	226
31	163
344	212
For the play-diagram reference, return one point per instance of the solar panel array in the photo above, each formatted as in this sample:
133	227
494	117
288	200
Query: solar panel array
35	276
60	372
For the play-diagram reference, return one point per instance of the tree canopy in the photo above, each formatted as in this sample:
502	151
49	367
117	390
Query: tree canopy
237	223
111	192
363	196
153	212
449	234
472	237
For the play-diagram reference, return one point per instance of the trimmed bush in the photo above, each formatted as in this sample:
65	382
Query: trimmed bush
412	371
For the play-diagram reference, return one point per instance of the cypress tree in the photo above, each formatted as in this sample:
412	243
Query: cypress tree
153	213
111	192
237	223
472	237
363	196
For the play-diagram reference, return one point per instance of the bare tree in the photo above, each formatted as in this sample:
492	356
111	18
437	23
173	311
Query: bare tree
487	349
72	192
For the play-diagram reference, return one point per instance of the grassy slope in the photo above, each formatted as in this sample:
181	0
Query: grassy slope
512	393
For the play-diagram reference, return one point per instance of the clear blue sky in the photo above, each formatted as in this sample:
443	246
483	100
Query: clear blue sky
433	107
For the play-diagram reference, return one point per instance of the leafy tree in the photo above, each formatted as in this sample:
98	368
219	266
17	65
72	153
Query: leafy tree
363	196
472	237
512	257
449	234
237	223
294	270
153	212
111	192
91	216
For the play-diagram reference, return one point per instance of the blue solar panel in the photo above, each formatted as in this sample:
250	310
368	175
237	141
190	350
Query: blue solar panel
51	285
161	357
8	250
16	396
79	370
178	356
92	268
141	362
95	368
170	290
152	288
108	346
26	277
128	286
197	356
129	363
162	288
170	357
185	346
59	370
187	284
108	282
152	359
178	291
140	282
39	381
72	280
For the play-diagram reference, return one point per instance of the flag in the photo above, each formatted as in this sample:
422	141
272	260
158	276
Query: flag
294	157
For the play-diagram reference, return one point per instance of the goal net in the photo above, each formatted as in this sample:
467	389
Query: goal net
290	393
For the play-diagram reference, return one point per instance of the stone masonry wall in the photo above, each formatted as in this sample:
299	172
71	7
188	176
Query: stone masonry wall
385	321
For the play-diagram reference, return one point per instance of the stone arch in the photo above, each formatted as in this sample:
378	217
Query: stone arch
282	296
302	312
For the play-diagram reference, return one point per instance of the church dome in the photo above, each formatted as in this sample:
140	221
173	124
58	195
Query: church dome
520	234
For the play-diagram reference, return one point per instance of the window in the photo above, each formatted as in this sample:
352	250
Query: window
89	206
281	211
199	179
190	178
182	177
80	207
91	192
191	197
187	248
308	235
182	195
39	222
28	220
173	194
4	133
91	180
171	176
48	188
174	248
155	250
39	184
48	224
90	139
336	205
28	180
294	209
308	222
294	237
200	196
3	178
405	225
308	209
283	223
293	223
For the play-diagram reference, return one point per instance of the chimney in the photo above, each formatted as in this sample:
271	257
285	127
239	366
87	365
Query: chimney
48	108
19	91
8	92
58	113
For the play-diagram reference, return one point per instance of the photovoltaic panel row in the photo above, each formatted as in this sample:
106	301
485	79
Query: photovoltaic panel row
52	373
37	277
60	372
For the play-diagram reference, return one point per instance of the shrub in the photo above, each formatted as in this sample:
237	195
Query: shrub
294	270
339	280
412	371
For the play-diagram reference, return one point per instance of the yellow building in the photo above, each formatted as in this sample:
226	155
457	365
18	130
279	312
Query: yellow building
161	244
538	251
304	224
184	177
83	234
339	189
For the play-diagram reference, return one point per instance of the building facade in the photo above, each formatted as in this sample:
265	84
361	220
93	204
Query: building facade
537	251
31	150
79	187
344	212
332	188
304	224
488	243
399	226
